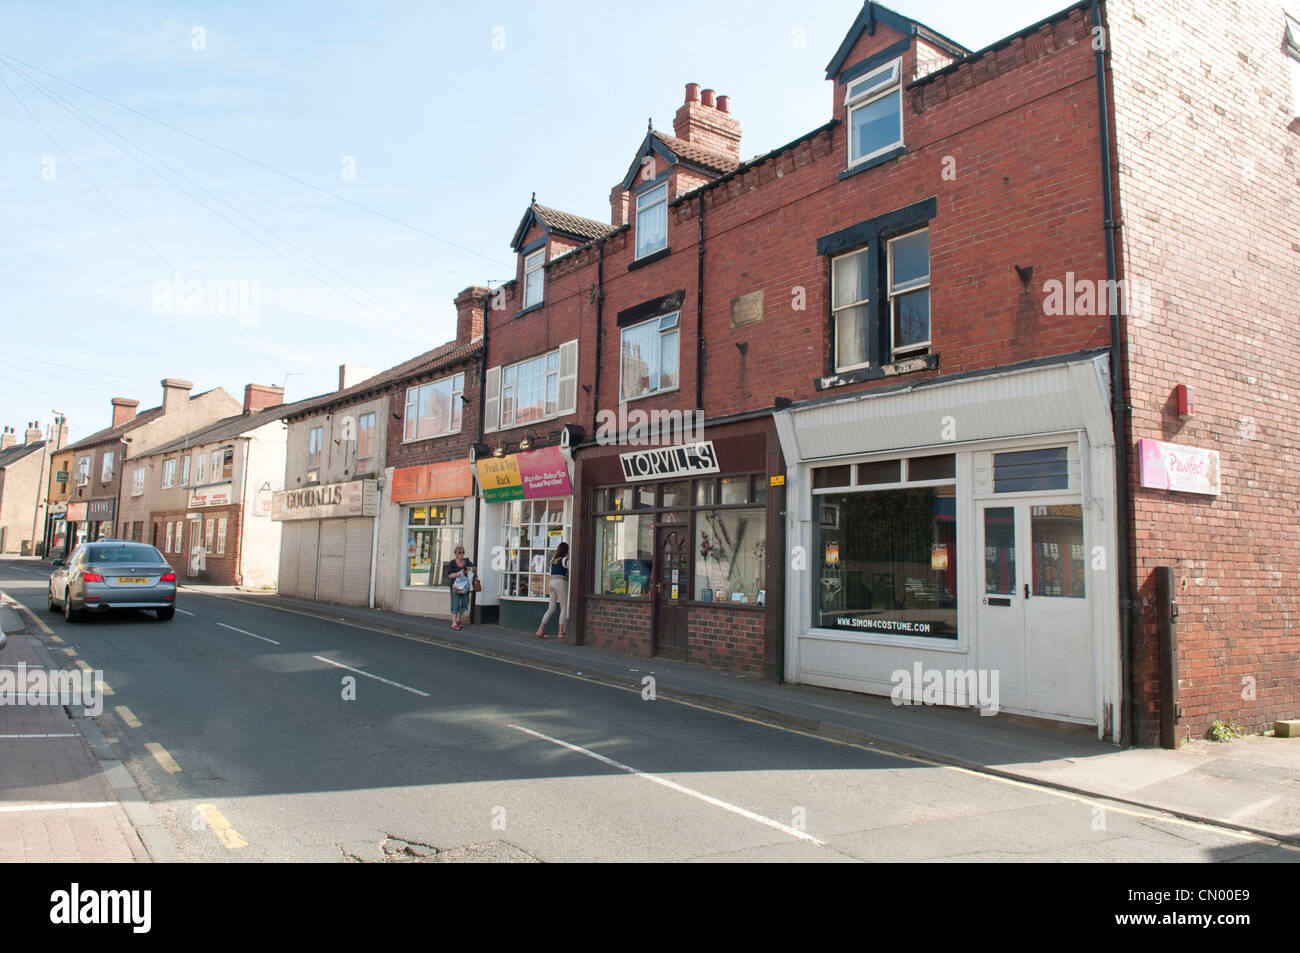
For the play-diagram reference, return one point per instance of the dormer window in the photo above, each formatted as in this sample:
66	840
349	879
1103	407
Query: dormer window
875	105
534	277
652	221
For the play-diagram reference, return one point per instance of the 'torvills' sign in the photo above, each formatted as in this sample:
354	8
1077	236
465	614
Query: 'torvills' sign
686	460
1169	466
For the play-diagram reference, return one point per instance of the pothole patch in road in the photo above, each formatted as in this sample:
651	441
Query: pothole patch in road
399	850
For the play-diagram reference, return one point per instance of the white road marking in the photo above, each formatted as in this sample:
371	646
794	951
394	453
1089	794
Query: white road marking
674	786
242	632
183	612
60	735
405	688
75	806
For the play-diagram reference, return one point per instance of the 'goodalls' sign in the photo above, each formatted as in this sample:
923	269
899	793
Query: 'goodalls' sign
357	498
685	460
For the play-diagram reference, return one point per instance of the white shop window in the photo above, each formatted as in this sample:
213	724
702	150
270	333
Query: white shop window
533	530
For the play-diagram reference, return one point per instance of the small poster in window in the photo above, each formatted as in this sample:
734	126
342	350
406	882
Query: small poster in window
832	554
939	556
677	575
674	592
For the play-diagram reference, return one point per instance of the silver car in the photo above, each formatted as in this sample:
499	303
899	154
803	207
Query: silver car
113	574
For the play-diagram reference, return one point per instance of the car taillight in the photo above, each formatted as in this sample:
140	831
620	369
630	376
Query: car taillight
91	577
167	577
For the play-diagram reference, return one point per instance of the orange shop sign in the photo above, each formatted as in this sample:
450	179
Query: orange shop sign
437	481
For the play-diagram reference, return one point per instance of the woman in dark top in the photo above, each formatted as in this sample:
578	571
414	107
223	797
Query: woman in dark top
559	588
459	575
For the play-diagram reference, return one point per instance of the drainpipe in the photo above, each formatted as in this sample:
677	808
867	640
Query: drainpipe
374	536
699	311
482	408
1117	405
243	516
600	332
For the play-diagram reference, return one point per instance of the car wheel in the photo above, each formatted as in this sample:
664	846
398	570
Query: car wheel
166	615
53	606
69	614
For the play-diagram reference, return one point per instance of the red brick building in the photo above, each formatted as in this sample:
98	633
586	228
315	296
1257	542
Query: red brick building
973	359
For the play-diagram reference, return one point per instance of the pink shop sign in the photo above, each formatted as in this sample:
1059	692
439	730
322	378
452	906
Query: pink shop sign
1169	466
544	473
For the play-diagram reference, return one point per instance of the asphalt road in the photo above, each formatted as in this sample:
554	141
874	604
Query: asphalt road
241	726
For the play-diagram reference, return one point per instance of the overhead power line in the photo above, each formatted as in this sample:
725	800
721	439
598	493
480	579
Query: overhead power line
259	164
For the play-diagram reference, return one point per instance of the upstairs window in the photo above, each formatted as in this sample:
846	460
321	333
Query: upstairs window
875	107
850	301
198	468
434	409
652	221
106	474
227	464
168	474
83	471
185	470
530	390
137	482
649	357
534	275
315	439
365	436
909	292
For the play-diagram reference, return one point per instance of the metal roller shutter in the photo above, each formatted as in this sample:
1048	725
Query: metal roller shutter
356	560
329	575
287	583
308	532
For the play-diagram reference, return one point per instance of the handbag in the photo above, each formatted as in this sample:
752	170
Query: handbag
478	586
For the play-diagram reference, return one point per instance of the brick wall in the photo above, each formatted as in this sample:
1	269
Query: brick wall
434	449
1209	161
726	638
619	625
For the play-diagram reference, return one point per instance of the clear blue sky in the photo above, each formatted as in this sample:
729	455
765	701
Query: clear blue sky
448	133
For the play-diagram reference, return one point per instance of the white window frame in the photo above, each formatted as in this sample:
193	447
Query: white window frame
216	465
365	435
168	474
227	457
867	90
665	330
315	442
510	388
918	284
534	267
83	471
199	460
137	482
644	203
456	419
221	536
185	470
209	535
169	539
106	469
866	251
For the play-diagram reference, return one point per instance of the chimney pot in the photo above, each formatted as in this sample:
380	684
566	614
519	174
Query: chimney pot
706	97
724	104
692	92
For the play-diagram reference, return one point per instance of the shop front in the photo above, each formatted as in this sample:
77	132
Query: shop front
327	545
681	549
965	528
90	520
527	500
436	504
56	531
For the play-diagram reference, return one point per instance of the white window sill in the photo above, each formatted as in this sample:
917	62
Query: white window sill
437	436
653	393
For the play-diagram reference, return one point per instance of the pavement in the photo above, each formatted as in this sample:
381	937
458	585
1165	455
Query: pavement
1251	784
63	796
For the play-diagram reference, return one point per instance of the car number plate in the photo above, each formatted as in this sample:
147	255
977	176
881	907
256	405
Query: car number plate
132	581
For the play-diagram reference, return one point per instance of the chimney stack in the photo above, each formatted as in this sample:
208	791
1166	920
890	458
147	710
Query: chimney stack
617	205
33	434
261	396
469	313
61	435
7	438
123	410
176	394
705	120
352	374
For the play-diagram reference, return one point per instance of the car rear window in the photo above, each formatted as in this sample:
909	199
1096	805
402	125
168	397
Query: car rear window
123	553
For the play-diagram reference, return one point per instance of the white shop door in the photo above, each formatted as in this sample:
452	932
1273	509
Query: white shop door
1033	615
